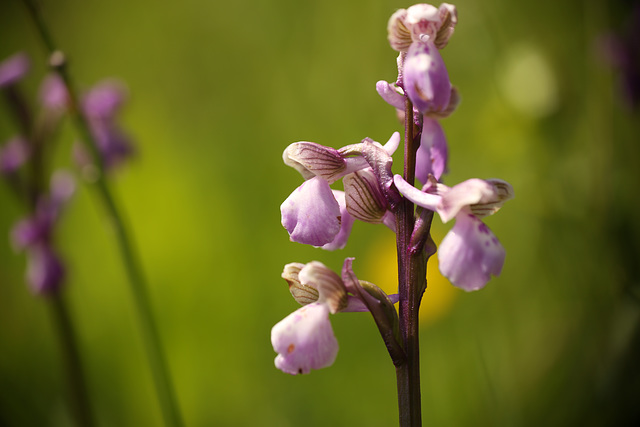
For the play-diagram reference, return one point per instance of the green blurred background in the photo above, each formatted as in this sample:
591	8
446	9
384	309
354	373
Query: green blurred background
218	89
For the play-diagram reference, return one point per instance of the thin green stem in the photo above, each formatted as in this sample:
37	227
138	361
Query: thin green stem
80	403
411	277
138	285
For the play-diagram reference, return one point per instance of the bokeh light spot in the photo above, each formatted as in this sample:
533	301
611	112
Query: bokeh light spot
382	270
527	81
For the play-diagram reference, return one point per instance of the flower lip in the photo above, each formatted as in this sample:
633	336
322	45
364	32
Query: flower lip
304	340
311	213
470	253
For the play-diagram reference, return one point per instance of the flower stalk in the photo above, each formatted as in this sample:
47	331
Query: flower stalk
137	281
411	285
80	403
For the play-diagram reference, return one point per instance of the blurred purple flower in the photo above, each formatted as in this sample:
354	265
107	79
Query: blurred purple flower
622	51
13	69
104	100
53	93
101	106
33	235
45	270
13	155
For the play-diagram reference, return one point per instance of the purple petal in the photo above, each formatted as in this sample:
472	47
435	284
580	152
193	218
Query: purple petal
45	271
13	69
355	305
331	289
398	34
431	157
426	200
422	19
364	197
426	79
340	241
27	232
311	214
448	20
115	147
304	340
470	253
392	144
312	159
389	219
53	93
466	193
104	100
13	155
391	94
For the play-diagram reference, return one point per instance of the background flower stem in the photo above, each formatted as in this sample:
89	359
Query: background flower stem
411	276
138	285
80	402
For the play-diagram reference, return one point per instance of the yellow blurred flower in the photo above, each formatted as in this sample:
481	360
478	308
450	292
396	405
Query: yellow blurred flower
381	269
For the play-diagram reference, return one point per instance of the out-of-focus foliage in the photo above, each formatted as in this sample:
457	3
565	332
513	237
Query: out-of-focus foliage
218	89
